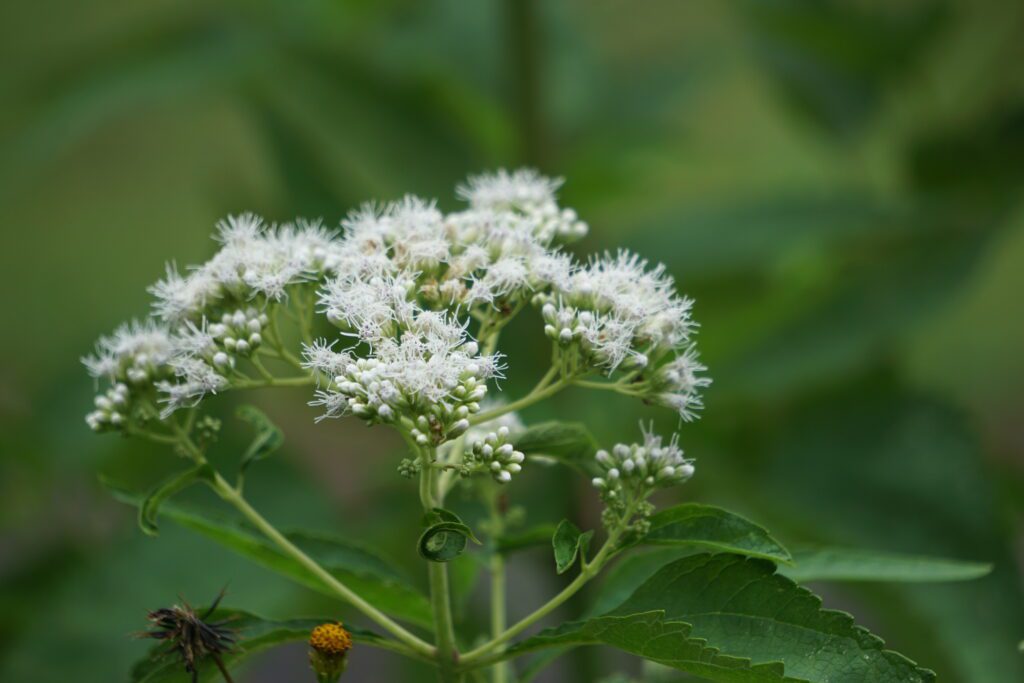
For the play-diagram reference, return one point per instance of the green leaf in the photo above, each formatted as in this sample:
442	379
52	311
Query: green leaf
568	542
726	617
268	436
712	528
254	634
849	564
357	567
568	442
445	538
150	505
629	573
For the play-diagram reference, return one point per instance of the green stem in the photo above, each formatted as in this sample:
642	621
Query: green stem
230	495
497	570
447	656
476	658
299	381
528	400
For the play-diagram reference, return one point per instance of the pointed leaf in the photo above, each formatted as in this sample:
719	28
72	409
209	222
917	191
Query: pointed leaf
711	528
150	505
268	436
849	564
731	618
568	542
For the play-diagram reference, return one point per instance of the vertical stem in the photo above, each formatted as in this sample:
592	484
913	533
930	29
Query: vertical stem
440	598
497	569
524	73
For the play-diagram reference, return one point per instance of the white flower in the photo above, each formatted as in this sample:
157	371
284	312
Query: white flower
133	347
369	307
524	190
636	469
196	379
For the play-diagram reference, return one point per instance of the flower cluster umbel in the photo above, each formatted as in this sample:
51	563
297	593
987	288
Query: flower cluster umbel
395	319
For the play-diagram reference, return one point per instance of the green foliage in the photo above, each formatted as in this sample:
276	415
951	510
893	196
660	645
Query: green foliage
569	443
365	571
149	508
568	542
268	439
254	634
730	618
445	537
535	536
712	528
848	564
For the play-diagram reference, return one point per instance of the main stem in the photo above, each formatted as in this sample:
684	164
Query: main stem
497	570
232	496
440	595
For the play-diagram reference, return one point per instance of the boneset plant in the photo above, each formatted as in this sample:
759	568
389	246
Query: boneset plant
396	321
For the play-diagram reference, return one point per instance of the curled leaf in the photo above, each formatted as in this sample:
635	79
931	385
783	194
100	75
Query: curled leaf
568	542
268	436
445	538
149	508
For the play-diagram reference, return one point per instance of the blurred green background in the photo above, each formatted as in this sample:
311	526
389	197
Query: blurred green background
838	184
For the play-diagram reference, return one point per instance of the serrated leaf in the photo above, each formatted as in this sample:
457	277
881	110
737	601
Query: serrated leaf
360	569
712	528
568	542
851	564
268	436
150	505
731	618
255	634
445	538
568	442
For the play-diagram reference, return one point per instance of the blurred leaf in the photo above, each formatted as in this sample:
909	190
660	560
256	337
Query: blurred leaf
570	443
150	505
254	633
834	60
729	618
268	436
903	474
568	542
445	538
533	537
850	564
360	569
711	528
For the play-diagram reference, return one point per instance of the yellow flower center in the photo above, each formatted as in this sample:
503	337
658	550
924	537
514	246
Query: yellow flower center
330	639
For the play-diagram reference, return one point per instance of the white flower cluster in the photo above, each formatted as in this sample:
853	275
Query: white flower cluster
425	371
632	471
254	262
176	362
623	315
132	359
403	282
494	453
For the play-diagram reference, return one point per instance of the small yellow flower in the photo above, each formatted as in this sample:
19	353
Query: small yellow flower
329	645
330	639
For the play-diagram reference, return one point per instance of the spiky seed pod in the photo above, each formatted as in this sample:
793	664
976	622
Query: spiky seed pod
191	636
